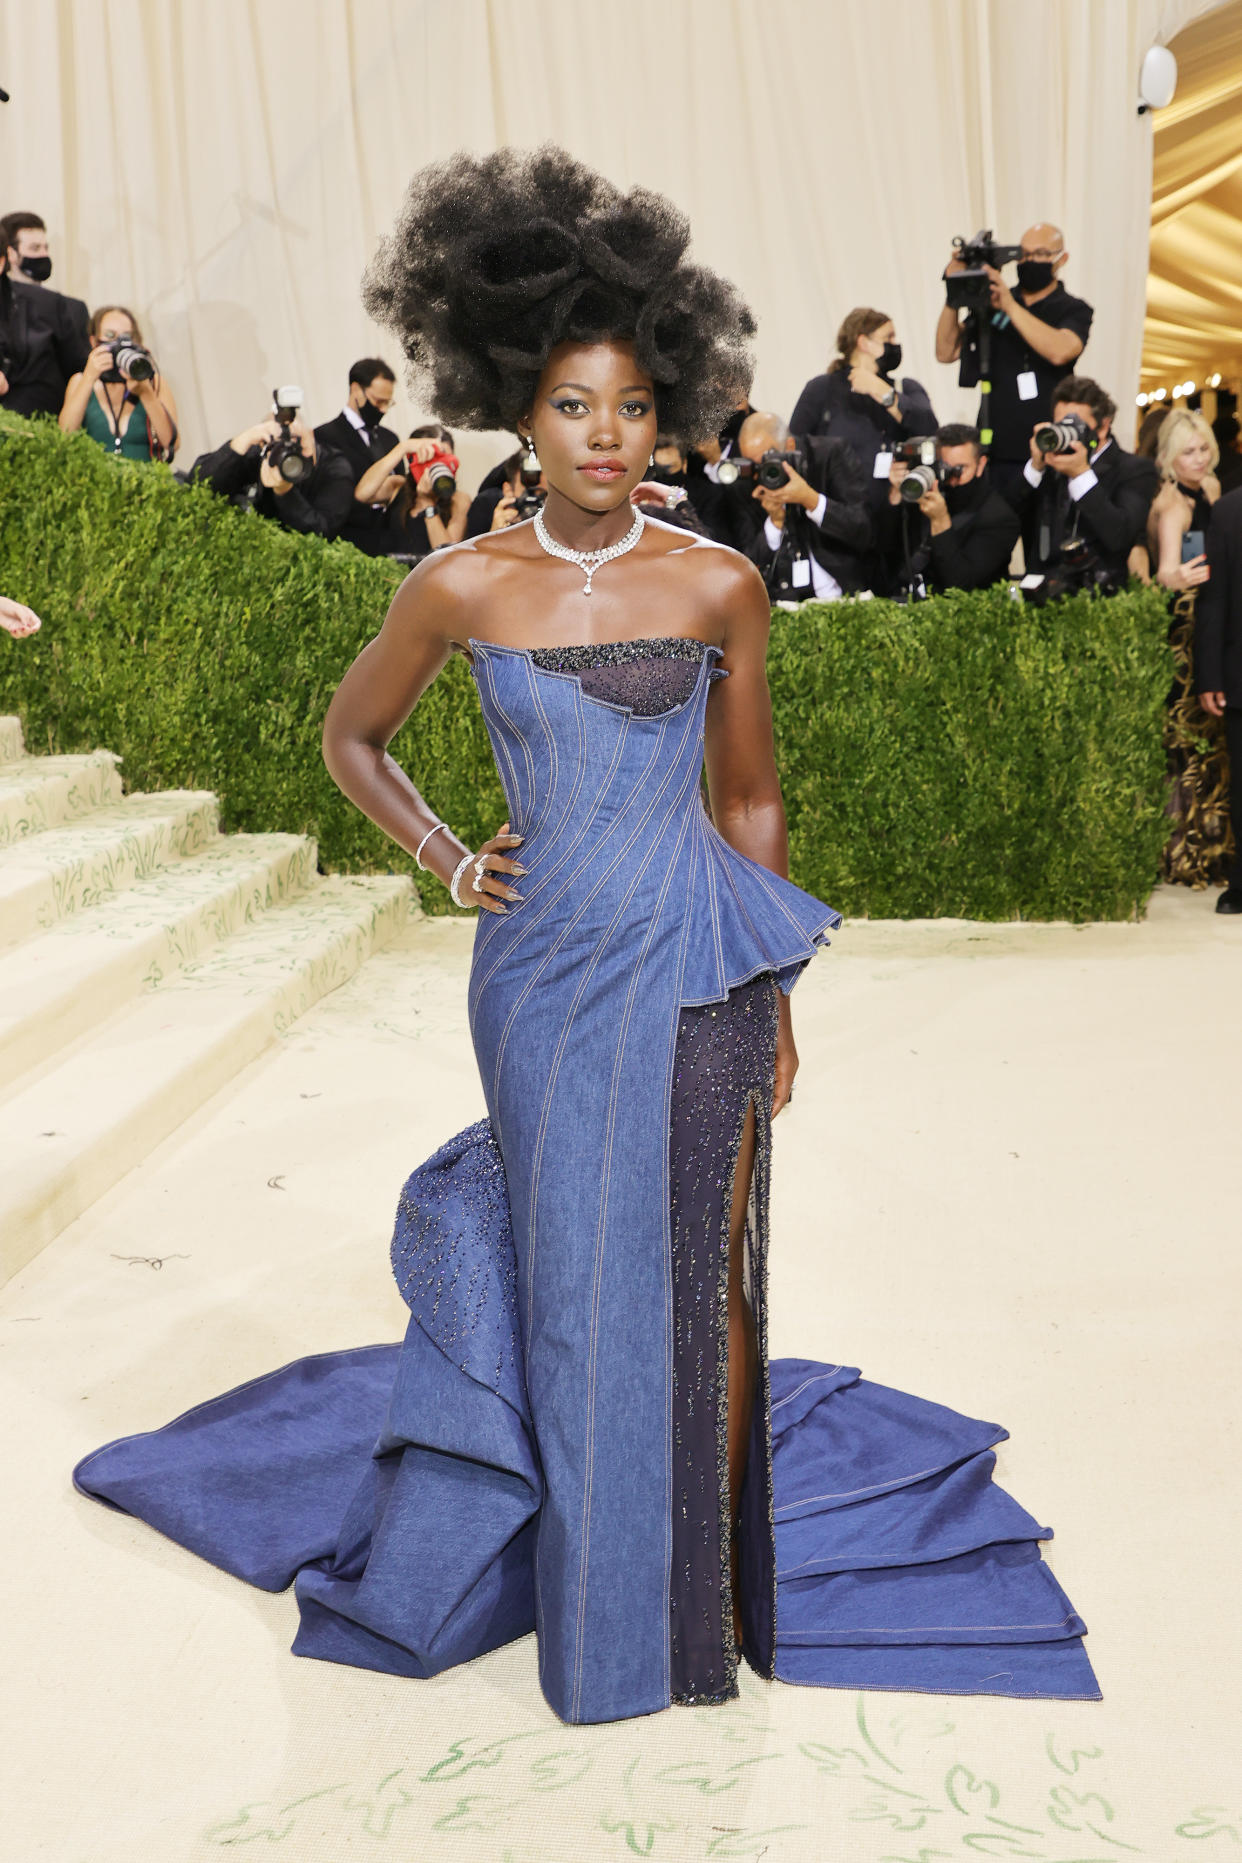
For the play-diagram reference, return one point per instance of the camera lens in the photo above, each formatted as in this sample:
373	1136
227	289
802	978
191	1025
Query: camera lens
135	362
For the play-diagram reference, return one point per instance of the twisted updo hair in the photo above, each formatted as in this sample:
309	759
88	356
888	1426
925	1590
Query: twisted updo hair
496	259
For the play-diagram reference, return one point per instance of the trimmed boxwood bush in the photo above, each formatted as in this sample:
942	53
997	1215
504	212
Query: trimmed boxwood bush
970	756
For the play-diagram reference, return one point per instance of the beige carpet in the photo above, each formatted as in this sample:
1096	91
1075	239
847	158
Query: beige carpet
1008	1181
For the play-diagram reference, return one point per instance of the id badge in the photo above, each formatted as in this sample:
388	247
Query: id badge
883	466
800	573
1028	387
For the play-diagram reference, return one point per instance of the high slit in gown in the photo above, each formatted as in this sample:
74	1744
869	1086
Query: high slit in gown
546	1449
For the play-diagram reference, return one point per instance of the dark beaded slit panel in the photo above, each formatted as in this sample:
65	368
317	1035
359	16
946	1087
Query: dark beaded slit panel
724	1062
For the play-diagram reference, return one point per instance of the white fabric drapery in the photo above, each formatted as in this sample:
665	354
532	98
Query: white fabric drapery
226	169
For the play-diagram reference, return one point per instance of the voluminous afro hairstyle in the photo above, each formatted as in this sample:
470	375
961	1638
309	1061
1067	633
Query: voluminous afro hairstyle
496	259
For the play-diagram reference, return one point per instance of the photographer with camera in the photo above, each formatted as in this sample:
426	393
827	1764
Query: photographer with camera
417	482
277	468
359	435
806	503
1086	500
120	398
857	400
1021	341
944	525
44	336
521	491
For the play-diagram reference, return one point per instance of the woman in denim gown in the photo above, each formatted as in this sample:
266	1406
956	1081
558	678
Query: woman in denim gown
582	1433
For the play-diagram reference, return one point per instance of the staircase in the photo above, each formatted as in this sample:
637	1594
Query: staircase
144	959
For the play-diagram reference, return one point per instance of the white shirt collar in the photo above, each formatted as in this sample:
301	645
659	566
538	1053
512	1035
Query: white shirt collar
355	420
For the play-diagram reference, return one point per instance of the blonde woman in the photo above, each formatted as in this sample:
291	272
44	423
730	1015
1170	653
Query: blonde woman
1186	455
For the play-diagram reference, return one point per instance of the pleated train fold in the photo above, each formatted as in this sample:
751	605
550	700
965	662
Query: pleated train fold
397	1488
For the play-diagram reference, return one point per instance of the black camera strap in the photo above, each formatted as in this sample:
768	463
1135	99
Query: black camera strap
114	416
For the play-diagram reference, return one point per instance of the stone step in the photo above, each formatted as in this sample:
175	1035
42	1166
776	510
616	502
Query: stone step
118	1091
11	746
55	987
40	792
45	877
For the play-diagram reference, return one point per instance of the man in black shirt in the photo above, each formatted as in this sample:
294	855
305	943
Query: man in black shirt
1229	470
959	535
809	536
44	336
360	437
1218	662
1037	334
1096	493
319	502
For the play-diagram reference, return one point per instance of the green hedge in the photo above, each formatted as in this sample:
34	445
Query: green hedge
969	757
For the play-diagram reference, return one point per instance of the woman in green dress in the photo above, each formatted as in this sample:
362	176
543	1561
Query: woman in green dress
120	398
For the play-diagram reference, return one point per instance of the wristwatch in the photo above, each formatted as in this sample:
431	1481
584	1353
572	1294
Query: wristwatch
886	401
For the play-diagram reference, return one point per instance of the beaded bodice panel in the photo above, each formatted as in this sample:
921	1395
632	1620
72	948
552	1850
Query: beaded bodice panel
650	676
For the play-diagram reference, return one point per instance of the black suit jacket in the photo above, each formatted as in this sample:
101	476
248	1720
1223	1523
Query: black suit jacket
319	503
1111	517
842	542
828	405
1218	607
46	339
365	526
971	554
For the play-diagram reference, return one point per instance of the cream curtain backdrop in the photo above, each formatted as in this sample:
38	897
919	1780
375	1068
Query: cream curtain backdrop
227	168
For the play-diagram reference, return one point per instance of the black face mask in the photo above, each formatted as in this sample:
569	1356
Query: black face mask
958	497
1034	274
889	358
370	415
40	270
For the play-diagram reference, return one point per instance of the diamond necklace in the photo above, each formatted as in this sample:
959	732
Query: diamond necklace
588	560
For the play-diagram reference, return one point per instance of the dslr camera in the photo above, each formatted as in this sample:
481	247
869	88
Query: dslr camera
770	471
440	475
530	499
284	451
1078	571
1062	436
972	289
925	472
128	359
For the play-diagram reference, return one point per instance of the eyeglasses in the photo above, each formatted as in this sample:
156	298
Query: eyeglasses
954	473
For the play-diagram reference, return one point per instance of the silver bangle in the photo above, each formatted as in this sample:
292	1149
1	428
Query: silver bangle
458	871
418	851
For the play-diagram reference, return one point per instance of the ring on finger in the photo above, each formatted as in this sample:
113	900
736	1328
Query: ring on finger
479	865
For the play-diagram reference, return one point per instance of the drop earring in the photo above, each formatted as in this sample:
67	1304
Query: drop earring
532	457
651	462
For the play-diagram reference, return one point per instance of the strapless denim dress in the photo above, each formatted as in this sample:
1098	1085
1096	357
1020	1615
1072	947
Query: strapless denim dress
546	1448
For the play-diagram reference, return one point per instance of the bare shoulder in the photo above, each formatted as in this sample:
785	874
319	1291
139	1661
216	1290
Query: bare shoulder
734	593
452	575
722	573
